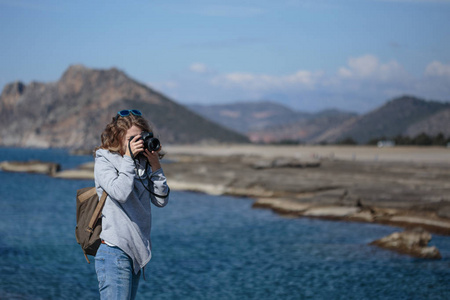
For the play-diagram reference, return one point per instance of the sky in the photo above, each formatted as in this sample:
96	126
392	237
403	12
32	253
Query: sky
309	55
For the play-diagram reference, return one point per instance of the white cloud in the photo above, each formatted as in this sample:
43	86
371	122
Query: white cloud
363	83
362	75
198	68
301	79
369	67
437	69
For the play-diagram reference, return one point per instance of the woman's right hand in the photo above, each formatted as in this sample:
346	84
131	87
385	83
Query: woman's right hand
136	145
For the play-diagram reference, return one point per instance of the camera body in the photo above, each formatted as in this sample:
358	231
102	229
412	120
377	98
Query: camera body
151	143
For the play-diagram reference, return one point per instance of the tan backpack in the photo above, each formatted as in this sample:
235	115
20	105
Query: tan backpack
89	221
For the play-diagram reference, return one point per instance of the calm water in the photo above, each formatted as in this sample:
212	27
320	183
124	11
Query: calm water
204	247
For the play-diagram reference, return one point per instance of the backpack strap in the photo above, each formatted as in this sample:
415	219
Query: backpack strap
87	194
97	212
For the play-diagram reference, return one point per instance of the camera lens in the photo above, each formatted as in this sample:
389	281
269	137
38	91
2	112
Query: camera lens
153	144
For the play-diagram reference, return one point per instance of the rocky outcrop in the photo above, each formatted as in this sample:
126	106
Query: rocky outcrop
12	93
402	193
394	193
413	242
35	166
85	171
72	112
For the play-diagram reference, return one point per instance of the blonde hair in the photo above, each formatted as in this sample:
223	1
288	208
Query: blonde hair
116	130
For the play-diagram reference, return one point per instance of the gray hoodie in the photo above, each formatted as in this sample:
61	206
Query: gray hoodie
127	214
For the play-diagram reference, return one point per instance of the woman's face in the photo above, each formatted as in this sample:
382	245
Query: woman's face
134	130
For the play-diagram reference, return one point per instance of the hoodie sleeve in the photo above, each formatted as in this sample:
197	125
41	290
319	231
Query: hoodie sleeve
158	186
118	183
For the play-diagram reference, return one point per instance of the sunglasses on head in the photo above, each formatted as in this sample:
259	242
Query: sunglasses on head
126	112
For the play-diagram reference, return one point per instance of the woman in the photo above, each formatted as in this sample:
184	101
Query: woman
132	177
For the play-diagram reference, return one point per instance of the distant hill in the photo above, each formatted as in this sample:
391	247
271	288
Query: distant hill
405	115
306	130
73	111
248	116
269	122
432	125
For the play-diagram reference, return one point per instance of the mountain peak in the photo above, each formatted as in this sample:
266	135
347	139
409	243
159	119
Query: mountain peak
80	71
410	100
72	112
393	118
11	94
74	70
15	88
78	77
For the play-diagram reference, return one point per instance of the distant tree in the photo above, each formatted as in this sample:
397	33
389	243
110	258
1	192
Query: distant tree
402	140
347	141
439	140
289	142
423	140
374	141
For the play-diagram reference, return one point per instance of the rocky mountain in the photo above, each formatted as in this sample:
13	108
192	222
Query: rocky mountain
405	115
73	111
268	122
308	130
432	125
244	117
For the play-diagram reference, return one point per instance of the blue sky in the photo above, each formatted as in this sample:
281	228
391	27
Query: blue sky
307	54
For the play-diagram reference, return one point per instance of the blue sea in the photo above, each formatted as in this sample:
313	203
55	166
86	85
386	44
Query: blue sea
204	247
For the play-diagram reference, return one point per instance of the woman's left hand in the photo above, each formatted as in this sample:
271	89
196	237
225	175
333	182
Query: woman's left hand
153	159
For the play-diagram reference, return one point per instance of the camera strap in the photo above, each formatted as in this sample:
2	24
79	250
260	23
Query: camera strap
146	170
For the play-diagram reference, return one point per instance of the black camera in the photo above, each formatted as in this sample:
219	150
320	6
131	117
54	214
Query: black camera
151	143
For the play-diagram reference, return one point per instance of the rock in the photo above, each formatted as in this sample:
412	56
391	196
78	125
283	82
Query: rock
210	189
75	174
283	206
331	211
85	171
34	166
363	216
412	242
444	212
377	192
87	166
425	222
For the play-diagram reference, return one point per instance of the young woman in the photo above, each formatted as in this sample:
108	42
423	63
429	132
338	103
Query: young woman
132	177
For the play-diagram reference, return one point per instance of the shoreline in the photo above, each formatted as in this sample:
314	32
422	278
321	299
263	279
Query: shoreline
402	187
287	208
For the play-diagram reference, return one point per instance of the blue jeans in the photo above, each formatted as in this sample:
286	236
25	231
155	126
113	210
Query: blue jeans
116	279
